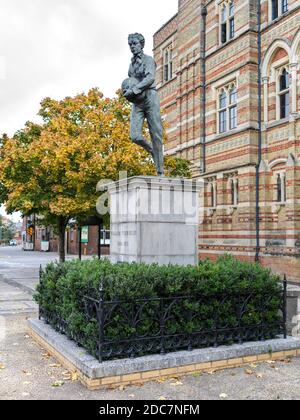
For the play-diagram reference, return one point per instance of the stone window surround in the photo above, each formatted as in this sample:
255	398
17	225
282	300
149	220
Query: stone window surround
227	89
168	43
273	77
212	189
229	18
234	193
280	9
282	174
168	66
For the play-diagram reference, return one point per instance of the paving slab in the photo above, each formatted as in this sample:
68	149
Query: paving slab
30	374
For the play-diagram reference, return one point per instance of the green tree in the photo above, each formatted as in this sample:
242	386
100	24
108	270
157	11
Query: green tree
7	230
52	169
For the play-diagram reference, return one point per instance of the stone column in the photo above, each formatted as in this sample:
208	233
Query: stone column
265	81
293	311
293	70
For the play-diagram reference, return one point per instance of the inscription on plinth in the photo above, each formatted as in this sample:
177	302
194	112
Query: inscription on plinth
155	220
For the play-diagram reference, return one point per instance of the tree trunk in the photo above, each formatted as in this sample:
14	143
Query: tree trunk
62	224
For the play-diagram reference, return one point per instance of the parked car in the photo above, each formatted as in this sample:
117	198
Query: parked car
13	242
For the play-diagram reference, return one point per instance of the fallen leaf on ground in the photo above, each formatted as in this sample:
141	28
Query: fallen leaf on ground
2	367
223	396
249	372
25	394
27	373
46	356
58	384
27	383
56	366
253	366
259	376
286	361
211	372
112	387
160	381
74	377
162	399
178	383
270	362
139	384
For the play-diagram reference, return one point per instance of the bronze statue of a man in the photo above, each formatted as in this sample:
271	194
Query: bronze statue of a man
140	90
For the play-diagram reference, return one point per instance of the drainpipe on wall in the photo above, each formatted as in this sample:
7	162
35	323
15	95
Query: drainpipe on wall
203	69
257	254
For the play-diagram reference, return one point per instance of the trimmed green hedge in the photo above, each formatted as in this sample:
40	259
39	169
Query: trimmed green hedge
63	286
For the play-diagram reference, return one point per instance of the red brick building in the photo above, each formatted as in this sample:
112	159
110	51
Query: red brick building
229	80
43	239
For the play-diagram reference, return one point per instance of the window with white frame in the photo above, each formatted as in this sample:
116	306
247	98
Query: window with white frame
234	191
168	64
278	8
227	105
227	23
281	187
283	97
213	192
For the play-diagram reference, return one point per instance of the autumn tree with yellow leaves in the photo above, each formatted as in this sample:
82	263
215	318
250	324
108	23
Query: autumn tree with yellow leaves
52	169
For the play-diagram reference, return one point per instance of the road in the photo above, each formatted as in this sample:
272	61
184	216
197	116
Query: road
28	373
19	273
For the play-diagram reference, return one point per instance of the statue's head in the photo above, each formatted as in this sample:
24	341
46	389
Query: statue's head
136	43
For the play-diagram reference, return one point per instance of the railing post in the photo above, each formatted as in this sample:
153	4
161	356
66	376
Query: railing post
162	327
285	283
101	322
240	315
40	283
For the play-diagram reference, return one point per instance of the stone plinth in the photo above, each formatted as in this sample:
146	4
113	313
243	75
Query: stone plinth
155	220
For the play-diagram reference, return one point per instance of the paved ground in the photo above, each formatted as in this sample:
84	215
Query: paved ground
27	372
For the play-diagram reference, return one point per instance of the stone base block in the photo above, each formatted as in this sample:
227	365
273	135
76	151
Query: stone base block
155	220
95	375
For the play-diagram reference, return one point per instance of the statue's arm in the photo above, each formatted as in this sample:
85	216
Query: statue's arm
149	78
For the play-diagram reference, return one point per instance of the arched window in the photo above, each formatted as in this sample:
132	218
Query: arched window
168	64
233	108
227	21
234	187
281	187
223	112
284	94
278	8
231	20
228	116
285	6
213	192
275	9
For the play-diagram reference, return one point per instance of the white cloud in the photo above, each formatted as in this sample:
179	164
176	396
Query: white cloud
61	47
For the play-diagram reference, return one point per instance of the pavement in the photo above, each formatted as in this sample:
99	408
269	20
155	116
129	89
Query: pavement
27	372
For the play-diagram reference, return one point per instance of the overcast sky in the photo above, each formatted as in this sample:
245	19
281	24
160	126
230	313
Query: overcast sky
63	47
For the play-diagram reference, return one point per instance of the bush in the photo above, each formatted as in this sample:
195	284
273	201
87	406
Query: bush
211	296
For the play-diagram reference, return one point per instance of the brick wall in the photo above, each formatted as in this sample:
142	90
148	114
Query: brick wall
234	154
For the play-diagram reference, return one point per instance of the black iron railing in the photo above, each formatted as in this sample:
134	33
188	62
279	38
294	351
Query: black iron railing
133	328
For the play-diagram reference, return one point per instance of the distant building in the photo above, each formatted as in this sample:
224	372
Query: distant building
238	122
43	239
